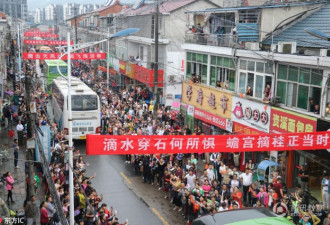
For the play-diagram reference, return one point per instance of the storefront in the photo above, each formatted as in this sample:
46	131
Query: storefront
250	117
284	121
208	108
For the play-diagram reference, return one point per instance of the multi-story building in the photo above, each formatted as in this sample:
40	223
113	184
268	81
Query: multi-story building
40	15
260	71
86	8
70	10
54	14
172	25
15	8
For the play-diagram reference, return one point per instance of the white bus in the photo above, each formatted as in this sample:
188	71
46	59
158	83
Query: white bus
86	108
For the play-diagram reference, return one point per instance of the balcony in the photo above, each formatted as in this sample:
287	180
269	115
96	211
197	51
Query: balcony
223	40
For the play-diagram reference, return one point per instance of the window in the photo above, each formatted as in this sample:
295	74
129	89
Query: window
84	102
254	77
222	71
197	64
299	87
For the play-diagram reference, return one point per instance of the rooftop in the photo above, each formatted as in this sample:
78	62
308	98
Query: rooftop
319	20
232	9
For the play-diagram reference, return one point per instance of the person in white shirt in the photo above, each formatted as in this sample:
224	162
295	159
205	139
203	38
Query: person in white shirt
210	173
326	192
138	61
20	133
246	180
191	179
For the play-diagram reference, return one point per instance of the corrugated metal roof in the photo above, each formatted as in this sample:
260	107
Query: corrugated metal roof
257	7
165	7
319	20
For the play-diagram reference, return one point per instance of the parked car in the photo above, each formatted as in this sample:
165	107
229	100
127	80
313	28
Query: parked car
247	216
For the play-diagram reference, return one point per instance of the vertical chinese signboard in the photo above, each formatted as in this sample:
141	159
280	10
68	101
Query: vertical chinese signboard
45	142
122	67
130	70
284	121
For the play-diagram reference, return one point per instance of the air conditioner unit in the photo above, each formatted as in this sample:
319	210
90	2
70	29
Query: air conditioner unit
287	47
273	48
254	46
325	52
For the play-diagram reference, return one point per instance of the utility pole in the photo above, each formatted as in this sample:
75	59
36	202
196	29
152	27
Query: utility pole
19	54
76	29
70	161
156	94
108	55
29	152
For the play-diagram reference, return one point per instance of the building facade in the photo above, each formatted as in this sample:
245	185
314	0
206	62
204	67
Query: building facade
40	15
15	8
271	76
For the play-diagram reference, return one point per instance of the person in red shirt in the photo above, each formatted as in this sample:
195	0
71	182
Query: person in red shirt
278	187
44	218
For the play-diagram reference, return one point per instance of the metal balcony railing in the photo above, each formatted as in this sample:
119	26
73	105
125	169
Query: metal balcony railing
222	40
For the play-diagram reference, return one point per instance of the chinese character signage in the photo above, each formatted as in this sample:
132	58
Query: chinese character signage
211	119
45	42
284	121
146	76
251	114
74	56
211	100
152	144
130	70
242	129
40	34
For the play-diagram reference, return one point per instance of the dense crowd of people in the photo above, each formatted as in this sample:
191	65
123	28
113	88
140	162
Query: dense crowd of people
218	185
195	184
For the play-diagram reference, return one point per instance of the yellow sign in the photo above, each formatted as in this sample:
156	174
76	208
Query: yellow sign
130	70
209	99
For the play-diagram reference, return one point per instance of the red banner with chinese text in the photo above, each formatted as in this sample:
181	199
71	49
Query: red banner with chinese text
45	42
40	34
141	144
74	56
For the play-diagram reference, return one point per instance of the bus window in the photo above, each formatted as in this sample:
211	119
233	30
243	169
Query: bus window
63	69
84	102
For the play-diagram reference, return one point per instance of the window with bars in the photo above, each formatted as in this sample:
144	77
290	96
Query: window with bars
222	72
197	64
299	87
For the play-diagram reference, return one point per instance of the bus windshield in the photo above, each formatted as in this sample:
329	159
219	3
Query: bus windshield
84	102
53	69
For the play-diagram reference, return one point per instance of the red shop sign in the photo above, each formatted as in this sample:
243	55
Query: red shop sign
45	42
140	144
146	76
210	118
286	121
74	56
242	129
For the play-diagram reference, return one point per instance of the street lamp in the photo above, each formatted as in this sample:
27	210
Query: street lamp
78	47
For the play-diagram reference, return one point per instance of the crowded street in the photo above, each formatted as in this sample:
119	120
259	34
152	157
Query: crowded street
164	112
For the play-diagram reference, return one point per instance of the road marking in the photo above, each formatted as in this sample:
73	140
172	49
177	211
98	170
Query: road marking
126	178
160	216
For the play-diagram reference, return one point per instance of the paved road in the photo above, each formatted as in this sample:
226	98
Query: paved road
111	183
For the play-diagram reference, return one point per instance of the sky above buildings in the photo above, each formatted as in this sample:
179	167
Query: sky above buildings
33	4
